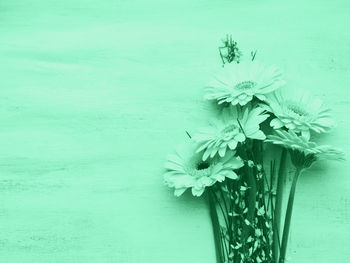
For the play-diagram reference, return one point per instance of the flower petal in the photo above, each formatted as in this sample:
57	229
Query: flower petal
276	123
179	191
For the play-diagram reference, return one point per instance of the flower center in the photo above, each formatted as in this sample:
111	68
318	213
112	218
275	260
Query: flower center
297	109
202	165
245	85
229	131
197	168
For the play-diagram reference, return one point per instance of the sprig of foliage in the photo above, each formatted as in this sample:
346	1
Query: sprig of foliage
229	52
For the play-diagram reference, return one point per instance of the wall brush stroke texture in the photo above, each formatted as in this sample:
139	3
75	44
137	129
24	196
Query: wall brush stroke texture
91	92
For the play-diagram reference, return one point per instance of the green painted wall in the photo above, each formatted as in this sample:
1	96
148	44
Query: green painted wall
93	96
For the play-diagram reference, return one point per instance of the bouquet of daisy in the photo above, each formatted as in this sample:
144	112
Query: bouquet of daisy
240	161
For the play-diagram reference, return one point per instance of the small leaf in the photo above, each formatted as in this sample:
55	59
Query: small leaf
243	188
261	211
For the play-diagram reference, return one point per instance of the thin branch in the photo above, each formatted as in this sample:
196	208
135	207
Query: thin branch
286	227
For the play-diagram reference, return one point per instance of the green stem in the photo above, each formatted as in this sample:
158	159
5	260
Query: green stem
216	228
235	221
251	202
223	212
230	210
278	204
223	200
288	217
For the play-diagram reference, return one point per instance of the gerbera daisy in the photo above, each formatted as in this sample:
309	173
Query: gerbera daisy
292	141
230	129
186	169
299	112
239	83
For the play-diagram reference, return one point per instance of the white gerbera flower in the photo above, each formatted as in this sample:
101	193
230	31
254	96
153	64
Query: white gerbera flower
300	113
186	169
226	131
292	141
239	83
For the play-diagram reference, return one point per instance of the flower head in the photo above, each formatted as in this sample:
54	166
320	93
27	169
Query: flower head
300	113
186	169
239	83
230	129
303	149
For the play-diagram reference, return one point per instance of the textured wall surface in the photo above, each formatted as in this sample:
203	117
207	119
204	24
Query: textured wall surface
93	96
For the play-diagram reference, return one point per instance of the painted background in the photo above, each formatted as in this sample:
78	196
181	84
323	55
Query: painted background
93	96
